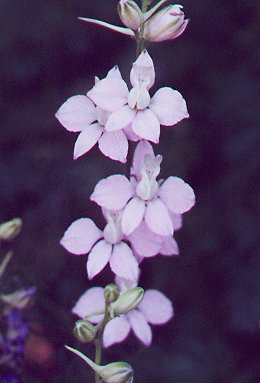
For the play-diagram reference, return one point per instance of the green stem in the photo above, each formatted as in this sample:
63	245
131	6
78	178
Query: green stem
99	342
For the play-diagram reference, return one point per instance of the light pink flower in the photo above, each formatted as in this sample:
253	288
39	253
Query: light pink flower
154	309
143	197
79	114
83	237
136	107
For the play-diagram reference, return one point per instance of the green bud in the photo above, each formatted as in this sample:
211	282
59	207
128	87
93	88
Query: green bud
117	372
111	293
130	14
10	229
84	331
126	302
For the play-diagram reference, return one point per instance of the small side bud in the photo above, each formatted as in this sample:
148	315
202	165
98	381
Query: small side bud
111	293
10	229
117	372
130	14
126	302
84	331
167	24
20	299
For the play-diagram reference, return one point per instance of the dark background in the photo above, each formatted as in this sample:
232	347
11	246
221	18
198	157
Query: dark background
47	55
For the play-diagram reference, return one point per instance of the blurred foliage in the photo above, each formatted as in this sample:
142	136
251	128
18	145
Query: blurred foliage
48	55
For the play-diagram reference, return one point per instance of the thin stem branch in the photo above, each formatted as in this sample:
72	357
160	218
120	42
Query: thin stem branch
99	342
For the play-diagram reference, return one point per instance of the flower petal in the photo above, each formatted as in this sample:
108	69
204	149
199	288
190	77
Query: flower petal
91	301
169	247
81	235
142	72
120	118
156	307
145	242
158	218
132	215
87	139
114	72
130	134
114	145
76	113
112	192
140	327
177	195
98	258
169	106
123	262
146	125
109	94
142	149
116	331
176	221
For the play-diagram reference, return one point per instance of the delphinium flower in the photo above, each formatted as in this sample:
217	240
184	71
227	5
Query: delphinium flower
80	114
135	107
143	197
154	309
107	246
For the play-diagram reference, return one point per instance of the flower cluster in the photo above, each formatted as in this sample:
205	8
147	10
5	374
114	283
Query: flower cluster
141	211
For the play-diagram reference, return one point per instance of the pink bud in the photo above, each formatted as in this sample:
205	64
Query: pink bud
130	14
167	24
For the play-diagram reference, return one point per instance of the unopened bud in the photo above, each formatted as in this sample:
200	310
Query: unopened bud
117	372
130	14
126	302
84	331
166	24
20	299
111	293
10	229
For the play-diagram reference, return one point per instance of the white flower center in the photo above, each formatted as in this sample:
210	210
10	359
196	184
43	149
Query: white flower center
139	97
113	232
102	116
147	187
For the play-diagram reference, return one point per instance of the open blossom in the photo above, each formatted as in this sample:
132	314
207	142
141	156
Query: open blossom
80	114
143	197
136	107
83	237
155	308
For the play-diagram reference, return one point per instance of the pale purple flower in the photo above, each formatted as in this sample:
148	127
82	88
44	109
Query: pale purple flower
136	107
80	114
143	197
83	237
155	309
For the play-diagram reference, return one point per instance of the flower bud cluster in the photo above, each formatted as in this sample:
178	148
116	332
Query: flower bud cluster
166	24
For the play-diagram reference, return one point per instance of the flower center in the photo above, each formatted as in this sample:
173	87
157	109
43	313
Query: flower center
113	232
